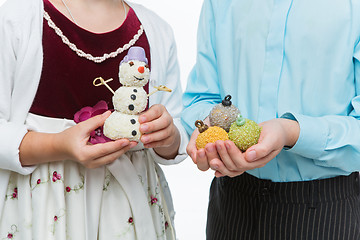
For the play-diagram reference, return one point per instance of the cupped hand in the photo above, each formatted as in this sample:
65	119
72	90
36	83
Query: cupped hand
198	156
222	156
227	160
275	135
231	161
73	142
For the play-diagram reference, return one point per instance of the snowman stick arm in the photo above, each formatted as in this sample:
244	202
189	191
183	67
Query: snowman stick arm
103	82
160	88
152	92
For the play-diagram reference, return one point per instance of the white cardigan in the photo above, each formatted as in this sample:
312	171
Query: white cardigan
21	56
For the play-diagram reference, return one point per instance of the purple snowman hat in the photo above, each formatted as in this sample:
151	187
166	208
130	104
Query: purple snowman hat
135	53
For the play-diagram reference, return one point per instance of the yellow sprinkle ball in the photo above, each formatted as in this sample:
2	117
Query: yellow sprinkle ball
211	135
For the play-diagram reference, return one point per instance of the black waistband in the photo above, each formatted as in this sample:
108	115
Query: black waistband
322	190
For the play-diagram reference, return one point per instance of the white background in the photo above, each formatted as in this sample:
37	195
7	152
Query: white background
189	186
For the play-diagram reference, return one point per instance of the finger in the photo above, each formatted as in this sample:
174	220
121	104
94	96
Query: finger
260	150
260	162
191	147
218	174
240	162
103	149
133	144
107	159
218	165
93	123
224	156
152	113
192	155
211	152
157	124
201	160
156	136
162	143
236	155
215	164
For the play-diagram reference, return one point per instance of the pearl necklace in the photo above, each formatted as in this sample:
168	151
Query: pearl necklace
88	56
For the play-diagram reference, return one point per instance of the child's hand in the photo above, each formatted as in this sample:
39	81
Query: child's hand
159	132
157	127
227	160
230	161
198	156
222	156
275	135
192	150
74	143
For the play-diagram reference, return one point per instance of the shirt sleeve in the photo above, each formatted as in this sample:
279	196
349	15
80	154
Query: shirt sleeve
332	141
12	132
203	90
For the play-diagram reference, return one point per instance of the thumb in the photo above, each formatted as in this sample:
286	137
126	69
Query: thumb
259	150
95	122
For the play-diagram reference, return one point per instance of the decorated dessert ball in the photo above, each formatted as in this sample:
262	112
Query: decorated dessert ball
244	133
224	114
134	69
119	125
130	100
209	134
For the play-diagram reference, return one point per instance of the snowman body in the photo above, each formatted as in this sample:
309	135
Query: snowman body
121	125
129	100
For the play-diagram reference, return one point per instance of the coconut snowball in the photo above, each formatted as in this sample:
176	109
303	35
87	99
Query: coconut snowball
130	100
119	125
134	73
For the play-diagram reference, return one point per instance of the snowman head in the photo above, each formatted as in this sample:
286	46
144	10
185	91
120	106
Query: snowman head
134	69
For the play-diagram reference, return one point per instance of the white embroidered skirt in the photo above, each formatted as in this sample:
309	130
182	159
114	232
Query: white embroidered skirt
128	199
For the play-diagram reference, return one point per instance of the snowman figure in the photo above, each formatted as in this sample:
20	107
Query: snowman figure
130	99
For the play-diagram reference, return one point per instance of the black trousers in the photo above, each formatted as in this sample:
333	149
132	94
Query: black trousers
246	207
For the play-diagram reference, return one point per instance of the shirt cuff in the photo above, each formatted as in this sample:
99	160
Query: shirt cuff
313	135
9	148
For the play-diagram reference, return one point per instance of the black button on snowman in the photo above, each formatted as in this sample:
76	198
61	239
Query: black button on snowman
130	99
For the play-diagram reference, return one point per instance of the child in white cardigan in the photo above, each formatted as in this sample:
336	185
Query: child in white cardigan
55	184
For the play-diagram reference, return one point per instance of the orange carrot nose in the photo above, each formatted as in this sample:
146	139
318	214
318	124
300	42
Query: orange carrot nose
141	69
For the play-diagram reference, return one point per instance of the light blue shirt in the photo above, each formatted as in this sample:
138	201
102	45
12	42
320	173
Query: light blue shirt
298	59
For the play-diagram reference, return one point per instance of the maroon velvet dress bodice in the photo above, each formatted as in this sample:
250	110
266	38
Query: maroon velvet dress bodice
66	83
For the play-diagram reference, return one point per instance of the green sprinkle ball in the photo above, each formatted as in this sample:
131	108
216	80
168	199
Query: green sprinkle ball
244	133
